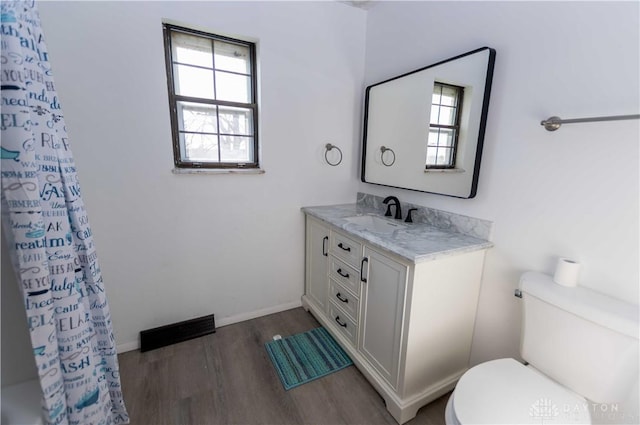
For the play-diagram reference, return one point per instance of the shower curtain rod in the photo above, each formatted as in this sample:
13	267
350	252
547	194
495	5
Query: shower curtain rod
554	123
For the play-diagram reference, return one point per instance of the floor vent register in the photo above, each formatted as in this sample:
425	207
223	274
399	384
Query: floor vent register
151	339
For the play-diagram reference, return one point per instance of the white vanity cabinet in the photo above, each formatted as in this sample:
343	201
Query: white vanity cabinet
406	325
317	254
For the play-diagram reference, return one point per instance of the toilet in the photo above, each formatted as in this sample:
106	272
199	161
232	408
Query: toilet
581	349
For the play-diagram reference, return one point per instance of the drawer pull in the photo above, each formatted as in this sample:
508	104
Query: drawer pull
346	248
339	296
345	275
344	325
362	278
324	245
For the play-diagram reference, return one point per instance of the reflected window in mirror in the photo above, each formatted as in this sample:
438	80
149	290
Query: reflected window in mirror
444	126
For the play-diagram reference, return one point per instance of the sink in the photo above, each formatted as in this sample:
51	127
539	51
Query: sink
376	224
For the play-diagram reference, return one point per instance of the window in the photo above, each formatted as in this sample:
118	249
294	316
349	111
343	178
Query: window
212	97
444	127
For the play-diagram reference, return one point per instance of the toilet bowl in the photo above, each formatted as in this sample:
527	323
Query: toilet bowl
505	391
581	347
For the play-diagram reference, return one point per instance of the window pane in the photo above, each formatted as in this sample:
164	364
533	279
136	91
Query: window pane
447	116
449	96
435	114
197	117
439	157
232	57
431	156
444	157
445	137
200	147
236	121
191	49
233	87
441	137
437	89
433	137
236	149
440	147
194	82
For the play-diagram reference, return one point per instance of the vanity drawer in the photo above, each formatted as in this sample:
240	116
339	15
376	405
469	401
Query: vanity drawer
346	249
345	299
345	275
343	323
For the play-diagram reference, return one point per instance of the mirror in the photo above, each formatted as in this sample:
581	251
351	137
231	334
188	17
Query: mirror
424	130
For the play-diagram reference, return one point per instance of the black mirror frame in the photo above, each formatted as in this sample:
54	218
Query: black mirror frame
481	130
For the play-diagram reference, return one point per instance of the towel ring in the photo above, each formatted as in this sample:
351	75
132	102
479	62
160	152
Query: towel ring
329	147
384	149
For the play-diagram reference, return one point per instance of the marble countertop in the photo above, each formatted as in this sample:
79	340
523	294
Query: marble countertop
416	242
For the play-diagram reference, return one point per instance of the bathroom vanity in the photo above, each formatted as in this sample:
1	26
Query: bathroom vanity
400	298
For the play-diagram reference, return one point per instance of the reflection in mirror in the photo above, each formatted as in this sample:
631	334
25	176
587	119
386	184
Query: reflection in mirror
391	154
444	126
433	120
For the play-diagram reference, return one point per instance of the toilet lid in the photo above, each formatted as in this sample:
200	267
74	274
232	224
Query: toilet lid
505	391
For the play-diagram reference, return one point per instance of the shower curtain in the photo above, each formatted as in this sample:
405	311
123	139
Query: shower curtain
49	237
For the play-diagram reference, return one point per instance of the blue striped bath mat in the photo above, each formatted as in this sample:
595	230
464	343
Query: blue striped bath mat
304	357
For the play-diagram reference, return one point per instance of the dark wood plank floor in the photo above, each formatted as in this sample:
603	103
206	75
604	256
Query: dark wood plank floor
228	378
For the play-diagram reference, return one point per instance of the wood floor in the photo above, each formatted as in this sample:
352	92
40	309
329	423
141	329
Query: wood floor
227	378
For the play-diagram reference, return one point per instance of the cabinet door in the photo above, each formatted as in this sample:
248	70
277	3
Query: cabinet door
382	298
317	284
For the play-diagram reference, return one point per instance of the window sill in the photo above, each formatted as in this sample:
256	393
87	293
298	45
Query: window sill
217	171
445	170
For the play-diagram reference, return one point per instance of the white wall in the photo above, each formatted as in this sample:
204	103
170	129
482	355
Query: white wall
569	193
173	247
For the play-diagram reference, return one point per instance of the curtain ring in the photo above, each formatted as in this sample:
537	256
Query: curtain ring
384	149
329	147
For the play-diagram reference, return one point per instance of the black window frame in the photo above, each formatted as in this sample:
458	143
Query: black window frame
455	128
174	98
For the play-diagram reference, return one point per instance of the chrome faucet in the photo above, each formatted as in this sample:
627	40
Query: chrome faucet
395	203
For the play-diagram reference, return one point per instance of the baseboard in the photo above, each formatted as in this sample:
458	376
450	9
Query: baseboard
258	313
127	346
135	345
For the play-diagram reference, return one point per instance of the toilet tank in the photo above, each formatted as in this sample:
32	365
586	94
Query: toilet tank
585	340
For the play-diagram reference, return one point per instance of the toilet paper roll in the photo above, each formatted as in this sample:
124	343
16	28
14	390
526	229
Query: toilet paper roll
567	272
